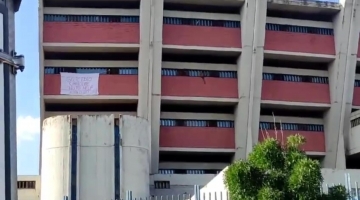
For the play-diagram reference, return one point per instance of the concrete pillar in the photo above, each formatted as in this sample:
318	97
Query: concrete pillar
341	82
150	59
250	64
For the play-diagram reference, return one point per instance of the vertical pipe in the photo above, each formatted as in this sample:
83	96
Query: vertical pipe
117	159
6	163
73	190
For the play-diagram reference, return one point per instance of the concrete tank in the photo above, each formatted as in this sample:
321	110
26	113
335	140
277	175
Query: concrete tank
95	157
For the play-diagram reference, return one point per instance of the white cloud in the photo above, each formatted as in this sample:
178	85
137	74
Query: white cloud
27	128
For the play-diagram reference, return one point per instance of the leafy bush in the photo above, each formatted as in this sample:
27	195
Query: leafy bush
278	172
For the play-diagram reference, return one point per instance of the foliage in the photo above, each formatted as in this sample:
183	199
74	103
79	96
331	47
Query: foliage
278	172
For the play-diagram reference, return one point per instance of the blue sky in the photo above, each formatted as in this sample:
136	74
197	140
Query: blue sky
28	111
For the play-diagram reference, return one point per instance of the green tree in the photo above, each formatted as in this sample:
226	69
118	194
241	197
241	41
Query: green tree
278	172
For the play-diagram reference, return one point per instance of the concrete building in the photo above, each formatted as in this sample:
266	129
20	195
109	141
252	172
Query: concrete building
210	75
28	187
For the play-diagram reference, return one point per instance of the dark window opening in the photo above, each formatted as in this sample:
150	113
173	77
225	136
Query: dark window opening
202	8
292	112
296	64
291	126
126	4
211	59
162	184
299	29
91	18
117	159
355	122
198	73
201	22
326	17
197	123
26	184
90	56
99	70
295	78
196	157
74	153
108	107
225	109
357	83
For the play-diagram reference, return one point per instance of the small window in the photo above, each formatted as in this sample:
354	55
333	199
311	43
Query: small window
26	184
162	184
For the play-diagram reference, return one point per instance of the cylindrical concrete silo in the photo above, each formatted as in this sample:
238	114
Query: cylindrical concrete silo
95	157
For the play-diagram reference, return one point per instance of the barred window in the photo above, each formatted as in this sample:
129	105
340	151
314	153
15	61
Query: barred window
355	122
198	73
299	29
100	70
201	22
91	18
197	123
295	78
357	83
162	184
291	126
26	184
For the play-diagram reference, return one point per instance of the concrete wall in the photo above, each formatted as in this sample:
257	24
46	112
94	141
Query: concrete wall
95	157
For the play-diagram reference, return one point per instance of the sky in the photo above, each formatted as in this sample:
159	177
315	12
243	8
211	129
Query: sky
27	90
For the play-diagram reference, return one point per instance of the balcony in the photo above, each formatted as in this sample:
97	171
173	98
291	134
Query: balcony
91	29
295	88
299	39
356	96
199	83
211	134
201	32
112	81
313	133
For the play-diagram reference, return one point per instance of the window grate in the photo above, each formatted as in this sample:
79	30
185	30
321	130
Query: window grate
26	184
162	184
295	78
197	123
299	29
100	70
355	122
201	22
357	83
198	73
91	18
291	126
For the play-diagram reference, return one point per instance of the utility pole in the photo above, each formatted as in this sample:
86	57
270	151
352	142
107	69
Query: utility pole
10	63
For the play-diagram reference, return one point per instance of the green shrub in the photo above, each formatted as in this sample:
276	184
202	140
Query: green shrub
278	172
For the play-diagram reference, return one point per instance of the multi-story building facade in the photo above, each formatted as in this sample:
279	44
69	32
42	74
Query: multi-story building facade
212	77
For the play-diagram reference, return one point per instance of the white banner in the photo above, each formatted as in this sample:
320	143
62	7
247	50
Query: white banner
79	84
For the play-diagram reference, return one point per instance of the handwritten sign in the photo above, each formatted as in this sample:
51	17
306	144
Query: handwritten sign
79	84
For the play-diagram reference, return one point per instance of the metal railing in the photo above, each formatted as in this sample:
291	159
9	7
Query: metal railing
351	186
